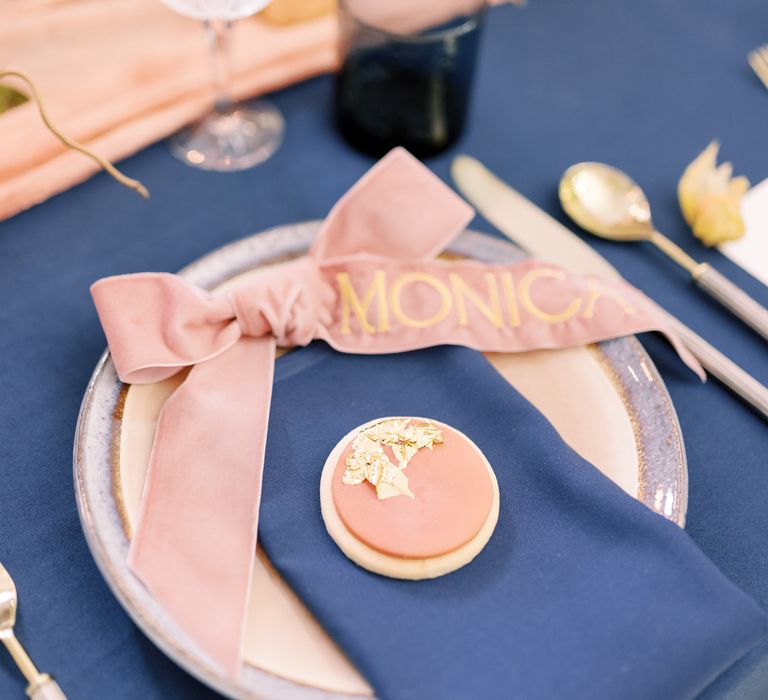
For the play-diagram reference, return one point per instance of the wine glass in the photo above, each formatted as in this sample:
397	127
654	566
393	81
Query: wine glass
232	136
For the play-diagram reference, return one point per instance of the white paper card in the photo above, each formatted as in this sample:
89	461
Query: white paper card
751	250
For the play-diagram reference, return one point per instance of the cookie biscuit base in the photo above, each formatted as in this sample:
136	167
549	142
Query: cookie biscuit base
384	564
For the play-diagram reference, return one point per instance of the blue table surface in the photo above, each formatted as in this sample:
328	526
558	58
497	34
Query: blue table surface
644	86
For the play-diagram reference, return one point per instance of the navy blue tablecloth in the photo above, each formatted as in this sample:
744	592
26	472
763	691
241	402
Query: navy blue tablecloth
642	85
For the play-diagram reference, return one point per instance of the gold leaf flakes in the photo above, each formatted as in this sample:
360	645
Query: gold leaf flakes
368	461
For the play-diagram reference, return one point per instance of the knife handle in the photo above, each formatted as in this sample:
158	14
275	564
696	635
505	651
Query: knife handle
732	298
723	369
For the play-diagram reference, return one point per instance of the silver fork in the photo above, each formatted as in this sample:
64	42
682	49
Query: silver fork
41	685
758	59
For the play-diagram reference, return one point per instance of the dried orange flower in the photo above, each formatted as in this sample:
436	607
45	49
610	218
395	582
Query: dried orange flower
710	198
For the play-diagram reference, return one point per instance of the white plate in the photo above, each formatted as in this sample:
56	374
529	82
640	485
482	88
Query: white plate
607	401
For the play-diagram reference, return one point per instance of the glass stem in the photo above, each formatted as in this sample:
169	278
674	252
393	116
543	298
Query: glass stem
219	35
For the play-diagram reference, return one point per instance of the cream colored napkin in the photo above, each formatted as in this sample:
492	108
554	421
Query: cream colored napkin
118	75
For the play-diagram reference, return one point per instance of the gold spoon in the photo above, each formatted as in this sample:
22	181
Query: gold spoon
41	685
607	202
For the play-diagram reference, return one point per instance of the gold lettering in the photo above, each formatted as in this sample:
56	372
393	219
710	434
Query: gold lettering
509	292
462	289
351	302
410	277
596	290
525	296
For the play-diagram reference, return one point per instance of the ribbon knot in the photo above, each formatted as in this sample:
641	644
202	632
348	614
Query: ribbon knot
195	540
283	301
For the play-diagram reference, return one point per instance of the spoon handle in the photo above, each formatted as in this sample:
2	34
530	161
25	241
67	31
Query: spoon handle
732	297
722	368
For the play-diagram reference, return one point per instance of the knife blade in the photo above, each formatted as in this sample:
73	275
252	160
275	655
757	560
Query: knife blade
544	237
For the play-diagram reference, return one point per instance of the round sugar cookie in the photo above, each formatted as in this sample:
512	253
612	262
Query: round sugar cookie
409	497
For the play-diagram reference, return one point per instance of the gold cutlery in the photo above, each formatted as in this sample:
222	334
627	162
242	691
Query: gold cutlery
608	203
758	59
41	685
541	235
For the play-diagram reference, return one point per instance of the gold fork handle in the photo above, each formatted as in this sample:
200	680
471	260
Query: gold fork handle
21	658
40	685
45	689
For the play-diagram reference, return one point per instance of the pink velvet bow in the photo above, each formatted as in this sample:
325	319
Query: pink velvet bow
368	285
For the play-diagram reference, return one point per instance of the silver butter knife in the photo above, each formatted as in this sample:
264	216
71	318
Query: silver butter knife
544	237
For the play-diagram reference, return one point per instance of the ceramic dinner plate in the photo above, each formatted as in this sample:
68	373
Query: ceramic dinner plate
607	401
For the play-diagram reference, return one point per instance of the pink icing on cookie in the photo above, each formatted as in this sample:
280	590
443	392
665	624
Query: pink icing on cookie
453	497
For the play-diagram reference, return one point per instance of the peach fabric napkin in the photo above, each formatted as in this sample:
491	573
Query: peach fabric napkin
118	75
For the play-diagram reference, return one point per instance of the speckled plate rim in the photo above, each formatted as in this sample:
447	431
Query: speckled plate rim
663	483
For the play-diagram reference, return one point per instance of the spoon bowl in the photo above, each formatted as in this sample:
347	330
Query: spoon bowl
606	202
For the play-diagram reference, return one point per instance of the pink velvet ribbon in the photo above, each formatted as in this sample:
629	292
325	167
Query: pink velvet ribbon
369	284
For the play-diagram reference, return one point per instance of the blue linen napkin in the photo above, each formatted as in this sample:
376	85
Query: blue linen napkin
582	592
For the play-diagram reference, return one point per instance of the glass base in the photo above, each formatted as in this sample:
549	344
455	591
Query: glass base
237	139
